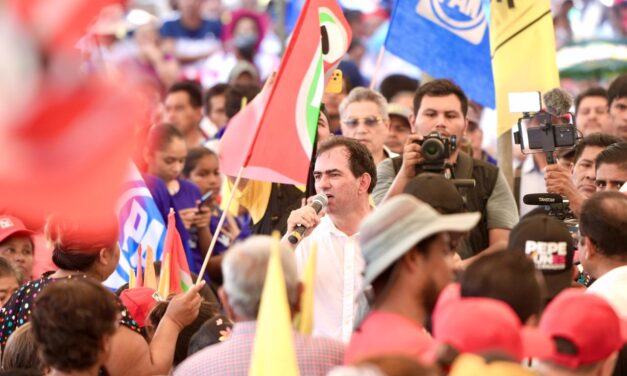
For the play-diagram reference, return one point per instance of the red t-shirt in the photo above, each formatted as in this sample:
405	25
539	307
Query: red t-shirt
383	333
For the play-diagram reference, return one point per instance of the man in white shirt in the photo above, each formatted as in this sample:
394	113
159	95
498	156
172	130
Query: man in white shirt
345	172
603	228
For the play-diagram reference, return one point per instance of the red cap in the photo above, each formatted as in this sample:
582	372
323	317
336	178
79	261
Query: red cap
588	322
480	325
139	301
10	225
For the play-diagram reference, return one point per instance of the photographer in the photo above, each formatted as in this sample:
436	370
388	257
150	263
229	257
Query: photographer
579	183
441	106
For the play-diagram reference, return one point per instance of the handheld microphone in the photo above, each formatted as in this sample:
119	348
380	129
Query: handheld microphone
542	199
319	202
557	101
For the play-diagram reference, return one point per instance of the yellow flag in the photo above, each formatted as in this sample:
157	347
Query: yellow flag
164	279
304	321
131	278
523	52
150	279
273	352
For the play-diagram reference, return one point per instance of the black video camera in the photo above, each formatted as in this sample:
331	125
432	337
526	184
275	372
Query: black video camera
436	150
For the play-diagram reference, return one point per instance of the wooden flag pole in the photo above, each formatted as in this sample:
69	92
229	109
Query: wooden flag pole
377	67
214	238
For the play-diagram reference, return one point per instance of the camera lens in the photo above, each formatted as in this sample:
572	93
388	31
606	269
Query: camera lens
432	149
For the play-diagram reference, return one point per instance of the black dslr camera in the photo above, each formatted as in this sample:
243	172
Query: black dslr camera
436	150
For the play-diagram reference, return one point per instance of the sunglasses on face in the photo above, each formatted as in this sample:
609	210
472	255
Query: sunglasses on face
370	121
614	184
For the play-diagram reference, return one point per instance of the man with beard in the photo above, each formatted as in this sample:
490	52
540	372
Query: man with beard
406	244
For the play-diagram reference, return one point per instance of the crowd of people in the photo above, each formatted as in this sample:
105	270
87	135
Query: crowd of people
423	265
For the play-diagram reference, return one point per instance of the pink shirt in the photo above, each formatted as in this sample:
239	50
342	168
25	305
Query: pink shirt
384	333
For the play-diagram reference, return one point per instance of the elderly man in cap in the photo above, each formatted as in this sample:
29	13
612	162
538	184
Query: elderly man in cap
405	243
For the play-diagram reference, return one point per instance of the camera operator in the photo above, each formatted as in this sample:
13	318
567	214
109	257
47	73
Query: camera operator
579	183
441	106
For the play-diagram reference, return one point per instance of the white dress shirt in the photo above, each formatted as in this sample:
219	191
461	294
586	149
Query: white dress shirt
338	282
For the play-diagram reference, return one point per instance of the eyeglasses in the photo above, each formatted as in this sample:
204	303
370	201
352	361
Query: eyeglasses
609	184
370	121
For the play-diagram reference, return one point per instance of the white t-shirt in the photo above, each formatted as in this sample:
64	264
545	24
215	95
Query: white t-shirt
613	287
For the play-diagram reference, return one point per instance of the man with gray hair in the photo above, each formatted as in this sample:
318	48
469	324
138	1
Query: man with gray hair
406	244
244	269
365	118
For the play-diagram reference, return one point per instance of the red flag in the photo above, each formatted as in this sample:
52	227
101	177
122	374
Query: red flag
59	24
180	276
273	136
67	141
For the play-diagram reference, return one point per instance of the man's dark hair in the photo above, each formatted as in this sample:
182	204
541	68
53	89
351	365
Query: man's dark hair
233	97
592	92
506	276
602	140
613	154
214	91
70	320
617	89
397	83
160	135
193	156
440	88
359	158
193	90
21	350
603	220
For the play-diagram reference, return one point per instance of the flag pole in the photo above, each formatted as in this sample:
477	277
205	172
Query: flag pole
214	238
377	66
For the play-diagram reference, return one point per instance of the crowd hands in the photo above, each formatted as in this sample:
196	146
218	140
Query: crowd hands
415	274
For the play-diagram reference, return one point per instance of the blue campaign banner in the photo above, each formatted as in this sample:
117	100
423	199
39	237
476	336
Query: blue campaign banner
446	39
140	223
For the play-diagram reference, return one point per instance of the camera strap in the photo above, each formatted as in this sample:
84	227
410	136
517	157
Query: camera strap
464	166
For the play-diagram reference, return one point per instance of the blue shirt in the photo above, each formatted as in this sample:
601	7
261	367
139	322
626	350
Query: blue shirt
208	29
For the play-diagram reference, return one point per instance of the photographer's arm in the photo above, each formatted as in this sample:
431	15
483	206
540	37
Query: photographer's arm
412	156
559	180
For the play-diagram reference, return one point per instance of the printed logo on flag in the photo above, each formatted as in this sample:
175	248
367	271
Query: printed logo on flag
464	18
547	255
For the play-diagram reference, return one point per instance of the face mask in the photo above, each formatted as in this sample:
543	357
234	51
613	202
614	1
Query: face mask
245	41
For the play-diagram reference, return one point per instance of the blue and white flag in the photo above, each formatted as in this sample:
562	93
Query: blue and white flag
446	39
140	223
